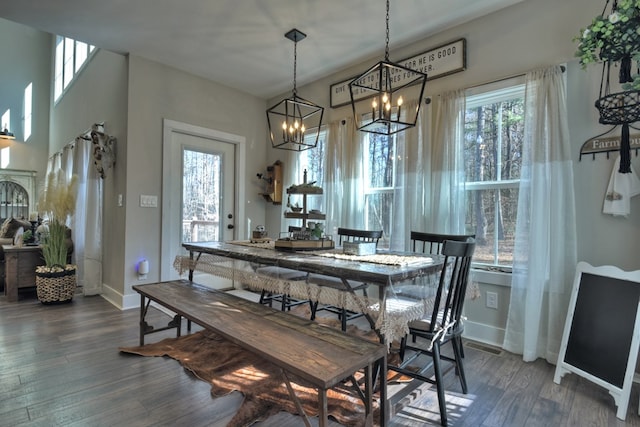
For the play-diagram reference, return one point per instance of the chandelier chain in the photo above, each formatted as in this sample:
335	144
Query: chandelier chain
386	49
295	62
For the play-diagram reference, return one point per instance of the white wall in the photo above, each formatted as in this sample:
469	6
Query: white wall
157	92
528	35
26	57
99	94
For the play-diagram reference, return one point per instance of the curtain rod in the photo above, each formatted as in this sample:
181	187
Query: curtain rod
427	99
562	67
94	128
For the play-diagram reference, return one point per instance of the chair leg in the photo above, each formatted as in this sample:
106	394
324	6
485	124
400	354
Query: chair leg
403	345
314	309
457	352
461	346
442	403
265	295
343	320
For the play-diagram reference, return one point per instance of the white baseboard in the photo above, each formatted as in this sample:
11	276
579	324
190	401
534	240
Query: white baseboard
122	302
484	333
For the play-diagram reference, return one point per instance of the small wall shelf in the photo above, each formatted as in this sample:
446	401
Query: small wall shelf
273	189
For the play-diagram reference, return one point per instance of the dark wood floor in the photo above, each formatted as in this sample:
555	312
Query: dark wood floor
60	365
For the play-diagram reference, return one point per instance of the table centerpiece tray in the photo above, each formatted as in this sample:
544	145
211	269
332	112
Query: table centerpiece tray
304	245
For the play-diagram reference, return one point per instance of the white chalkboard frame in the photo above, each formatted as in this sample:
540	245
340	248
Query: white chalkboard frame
620	393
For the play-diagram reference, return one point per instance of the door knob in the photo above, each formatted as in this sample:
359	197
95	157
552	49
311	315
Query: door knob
230	226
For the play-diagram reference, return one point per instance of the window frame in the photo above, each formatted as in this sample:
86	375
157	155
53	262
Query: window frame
67	66
27	125
369	190
501	91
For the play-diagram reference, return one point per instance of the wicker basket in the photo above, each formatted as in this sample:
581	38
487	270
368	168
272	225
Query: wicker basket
56	286
619	108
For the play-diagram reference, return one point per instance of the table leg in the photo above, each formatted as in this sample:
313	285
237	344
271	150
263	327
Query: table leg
142	323
384	401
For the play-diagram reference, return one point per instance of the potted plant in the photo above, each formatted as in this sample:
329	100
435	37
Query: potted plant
56	280
613	37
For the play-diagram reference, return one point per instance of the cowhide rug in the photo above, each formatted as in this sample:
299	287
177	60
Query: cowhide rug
228	367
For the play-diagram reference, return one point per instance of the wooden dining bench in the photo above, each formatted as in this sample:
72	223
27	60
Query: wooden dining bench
321	356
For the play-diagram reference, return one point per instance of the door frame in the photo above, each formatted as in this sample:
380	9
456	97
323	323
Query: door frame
172	126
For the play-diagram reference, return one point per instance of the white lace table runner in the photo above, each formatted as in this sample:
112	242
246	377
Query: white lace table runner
387	259
264	245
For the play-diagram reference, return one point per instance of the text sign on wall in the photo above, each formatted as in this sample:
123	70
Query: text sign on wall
441	61
612	143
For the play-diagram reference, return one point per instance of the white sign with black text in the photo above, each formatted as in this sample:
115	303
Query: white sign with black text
441	61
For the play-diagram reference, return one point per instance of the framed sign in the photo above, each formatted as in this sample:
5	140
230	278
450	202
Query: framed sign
438	62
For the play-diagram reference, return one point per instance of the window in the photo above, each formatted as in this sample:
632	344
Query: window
379	172
28	110
6	120
70	56
312	161
494	128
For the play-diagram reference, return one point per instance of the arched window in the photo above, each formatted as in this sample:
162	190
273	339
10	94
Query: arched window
14	200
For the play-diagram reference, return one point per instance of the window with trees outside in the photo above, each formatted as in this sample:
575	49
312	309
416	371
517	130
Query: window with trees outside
494	127
379	173
312	161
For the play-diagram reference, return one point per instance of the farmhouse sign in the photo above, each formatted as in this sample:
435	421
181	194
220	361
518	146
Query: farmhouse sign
438	62
605	145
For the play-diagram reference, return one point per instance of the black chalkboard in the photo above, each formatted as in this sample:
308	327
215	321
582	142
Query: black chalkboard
602	331
602	328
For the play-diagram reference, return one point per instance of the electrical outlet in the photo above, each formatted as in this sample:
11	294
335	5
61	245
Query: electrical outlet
492	300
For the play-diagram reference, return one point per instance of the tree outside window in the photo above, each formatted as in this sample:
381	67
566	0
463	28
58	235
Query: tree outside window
494	125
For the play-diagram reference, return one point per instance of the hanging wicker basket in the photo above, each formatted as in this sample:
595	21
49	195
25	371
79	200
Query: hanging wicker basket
56	284
619	108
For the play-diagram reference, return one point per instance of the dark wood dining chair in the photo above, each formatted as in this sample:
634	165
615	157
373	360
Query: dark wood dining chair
431	243
443	326
344	235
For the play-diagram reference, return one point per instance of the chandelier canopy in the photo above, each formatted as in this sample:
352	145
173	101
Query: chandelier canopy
294	123
388	85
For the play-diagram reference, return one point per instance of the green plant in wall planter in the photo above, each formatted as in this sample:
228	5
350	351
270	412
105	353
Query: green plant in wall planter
613	37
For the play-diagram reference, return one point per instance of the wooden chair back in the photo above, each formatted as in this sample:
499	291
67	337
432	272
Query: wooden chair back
452	286
351	235
432	243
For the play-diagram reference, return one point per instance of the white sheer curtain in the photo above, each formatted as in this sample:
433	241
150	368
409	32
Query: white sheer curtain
429	193
86	223
343	173
429	182
545	248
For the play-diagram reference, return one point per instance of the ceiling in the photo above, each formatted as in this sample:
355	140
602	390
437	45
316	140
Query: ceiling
241	43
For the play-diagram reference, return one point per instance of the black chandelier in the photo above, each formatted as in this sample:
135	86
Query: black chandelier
294	123
388	84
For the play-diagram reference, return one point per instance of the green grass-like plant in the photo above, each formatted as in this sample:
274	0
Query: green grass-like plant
58	203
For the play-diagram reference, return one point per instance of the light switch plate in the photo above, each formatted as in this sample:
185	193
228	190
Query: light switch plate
148	201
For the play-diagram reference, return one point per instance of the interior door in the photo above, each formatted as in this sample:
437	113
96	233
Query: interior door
200	170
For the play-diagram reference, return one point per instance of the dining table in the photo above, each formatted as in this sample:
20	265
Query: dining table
406	281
